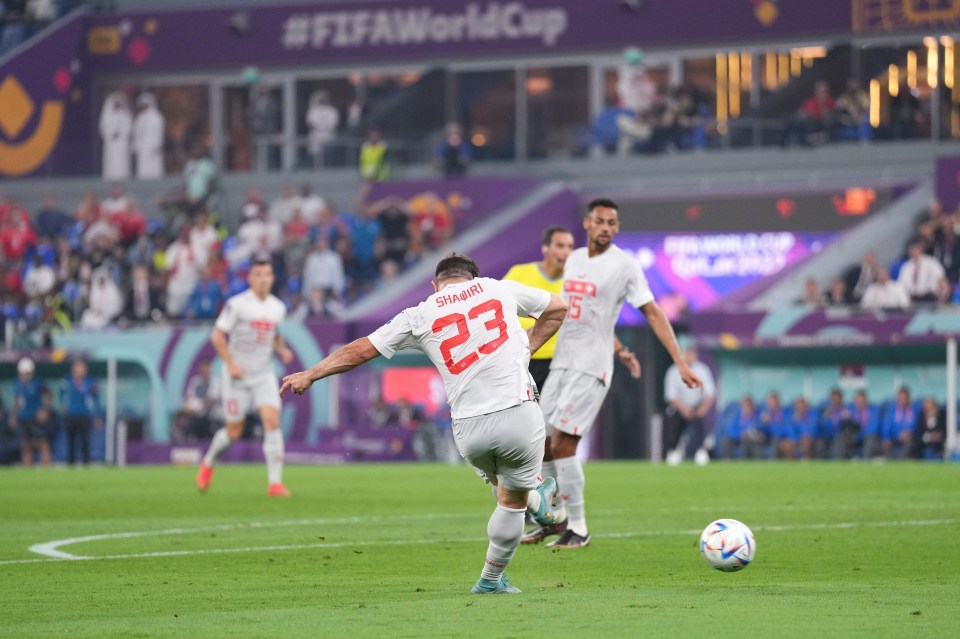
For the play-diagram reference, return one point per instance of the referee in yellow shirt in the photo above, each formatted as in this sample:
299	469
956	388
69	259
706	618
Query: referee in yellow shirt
547	274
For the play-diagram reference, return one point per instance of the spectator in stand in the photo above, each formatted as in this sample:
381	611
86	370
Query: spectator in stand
636	91
804	426
837	294
206	299
885	294
16	236
740	422
143	303
636	129
853	113
130	223
323	271
200	179
51	220
432	220
374	161
116	125
80	403
899	424
395	216
100	236
921	275
931	430
833	420
864	275
183	269
117	202
776	422
204	239
40	279
282	208
312	206
946	246
27	399
365	231
812	122
148	137
453	154
296	235
322	121
106	302
811	293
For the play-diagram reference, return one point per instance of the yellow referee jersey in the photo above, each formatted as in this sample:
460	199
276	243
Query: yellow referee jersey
531	275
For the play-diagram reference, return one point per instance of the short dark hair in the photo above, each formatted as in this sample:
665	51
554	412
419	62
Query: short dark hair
548	234
455	265
261	261
604	202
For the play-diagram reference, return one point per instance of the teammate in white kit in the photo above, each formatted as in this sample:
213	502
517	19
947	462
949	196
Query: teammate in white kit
597	279
470	331
250	321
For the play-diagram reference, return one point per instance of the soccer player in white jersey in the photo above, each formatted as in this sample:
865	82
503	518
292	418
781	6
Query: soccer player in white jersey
470	331
245	337
597	279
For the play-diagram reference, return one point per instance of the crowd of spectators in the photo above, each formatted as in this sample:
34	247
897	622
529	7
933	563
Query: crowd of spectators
927	272
898	428
106	263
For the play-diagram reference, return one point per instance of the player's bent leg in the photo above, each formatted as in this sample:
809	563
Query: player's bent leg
222	440
273	451
504	530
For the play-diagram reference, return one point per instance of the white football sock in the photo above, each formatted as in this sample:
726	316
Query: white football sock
273	454
533	501
571	480
504	530
548	469
221	442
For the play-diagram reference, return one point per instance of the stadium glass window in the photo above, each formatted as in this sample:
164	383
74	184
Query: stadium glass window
558	102
487	109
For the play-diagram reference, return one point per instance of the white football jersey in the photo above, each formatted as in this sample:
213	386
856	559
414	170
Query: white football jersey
595	289
471	333
251	325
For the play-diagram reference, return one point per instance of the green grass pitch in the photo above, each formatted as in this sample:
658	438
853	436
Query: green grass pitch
844	550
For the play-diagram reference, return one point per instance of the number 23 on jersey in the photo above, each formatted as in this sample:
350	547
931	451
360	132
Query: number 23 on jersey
492	312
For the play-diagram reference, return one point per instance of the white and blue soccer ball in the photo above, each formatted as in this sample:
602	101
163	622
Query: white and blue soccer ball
727	545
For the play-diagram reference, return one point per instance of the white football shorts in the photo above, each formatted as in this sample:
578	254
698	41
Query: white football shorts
507	444
240	396
571	401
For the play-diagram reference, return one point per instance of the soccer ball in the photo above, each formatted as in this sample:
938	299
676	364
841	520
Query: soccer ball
727	545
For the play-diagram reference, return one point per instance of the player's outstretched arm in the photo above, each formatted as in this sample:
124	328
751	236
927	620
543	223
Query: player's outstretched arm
664	332
548	323
339	361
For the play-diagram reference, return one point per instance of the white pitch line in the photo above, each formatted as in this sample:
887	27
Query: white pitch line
420	542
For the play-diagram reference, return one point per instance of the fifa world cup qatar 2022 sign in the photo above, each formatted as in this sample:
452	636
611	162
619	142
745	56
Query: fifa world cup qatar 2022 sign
373	28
